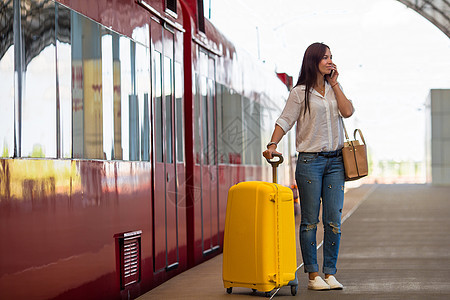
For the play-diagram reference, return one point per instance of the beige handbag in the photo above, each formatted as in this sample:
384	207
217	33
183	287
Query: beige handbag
355	156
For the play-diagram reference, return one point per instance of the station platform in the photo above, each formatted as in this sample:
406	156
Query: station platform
395	245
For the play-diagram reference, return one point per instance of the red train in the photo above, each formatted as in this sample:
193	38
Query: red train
123	125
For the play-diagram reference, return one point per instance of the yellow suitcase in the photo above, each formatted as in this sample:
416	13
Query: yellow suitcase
259	241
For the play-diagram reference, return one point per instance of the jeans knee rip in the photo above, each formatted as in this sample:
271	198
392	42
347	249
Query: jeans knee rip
311	227
335	227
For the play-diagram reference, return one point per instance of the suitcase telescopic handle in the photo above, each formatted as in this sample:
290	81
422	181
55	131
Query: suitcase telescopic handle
275	164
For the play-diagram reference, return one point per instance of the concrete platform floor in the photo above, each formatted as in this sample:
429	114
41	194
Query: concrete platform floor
395	245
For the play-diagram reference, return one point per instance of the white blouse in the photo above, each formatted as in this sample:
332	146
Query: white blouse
320	129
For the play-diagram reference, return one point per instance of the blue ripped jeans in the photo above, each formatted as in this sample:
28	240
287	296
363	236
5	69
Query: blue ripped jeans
320	176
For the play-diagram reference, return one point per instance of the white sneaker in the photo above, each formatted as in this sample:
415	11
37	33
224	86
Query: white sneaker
333	283
318	284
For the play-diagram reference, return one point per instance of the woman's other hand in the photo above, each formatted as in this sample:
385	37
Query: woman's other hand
268	154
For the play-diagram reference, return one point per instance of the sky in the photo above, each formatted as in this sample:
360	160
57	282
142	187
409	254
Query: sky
388	57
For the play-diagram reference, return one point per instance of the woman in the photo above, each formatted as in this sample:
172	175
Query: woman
317	104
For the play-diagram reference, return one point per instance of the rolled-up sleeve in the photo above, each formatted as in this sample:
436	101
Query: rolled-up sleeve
291	110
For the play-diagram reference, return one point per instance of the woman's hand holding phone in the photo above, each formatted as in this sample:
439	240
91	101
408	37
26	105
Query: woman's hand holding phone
332	77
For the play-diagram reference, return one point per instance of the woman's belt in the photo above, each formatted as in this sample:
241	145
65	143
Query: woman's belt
327	154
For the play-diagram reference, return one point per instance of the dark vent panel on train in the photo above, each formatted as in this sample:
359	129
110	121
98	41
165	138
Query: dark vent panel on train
129	257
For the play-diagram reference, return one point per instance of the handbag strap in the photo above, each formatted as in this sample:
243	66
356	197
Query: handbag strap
345	130
354	134
360	134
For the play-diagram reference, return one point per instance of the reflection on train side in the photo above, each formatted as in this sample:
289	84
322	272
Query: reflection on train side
97	182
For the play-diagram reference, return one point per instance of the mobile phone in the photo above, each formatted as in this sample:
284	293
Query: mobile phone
331	74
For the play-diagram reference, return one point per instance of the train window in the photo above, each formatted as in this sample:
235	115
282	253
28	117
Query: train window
84	90
211	117
200	16
122	91
204	116
143	91
172	5
7	81
255	127
64	73
117	90
212	148
133	108
231	130
222	156
197	145
179	111
124	85
77	87
139	130
252	132
107	93
168	88
247	134
157	75
38	136
110	90
203	89
88	113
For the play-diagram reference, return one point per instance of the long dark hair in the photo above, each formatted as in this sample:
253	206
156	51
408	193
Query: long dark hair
310	66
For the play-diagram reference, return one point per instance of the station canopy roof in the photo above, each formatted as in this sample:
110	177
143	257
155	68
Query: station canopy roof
436	11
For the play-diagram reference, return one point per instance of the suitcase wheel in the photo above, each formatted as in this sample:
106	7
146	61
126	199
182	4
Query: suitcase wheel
229	290
254	290
294	290
267	294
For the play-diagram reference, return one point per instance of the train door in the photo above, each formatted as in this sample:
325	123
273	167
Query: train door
209	165
165	218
